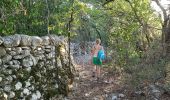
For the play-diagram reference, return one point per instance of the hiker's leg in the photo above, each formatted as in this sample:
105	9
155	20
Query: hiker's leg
98	71
94	71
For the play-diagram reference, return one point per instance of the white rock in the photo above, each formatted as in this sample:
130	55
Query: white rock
34	97
6	58
95	98
38	94
27	84
26	52
155	91
28	69
18	85
18	50
0	79
16	62
45	40
5	96
121	95
5	66
7	88
15	66
114	97
2	51
65	98
10	62
27	62
9	72
56	85
14	76
9	78
31	88
22	94
12	53
26	91
39	48
88	94
12	94
36	41
18	57
12	41
25	40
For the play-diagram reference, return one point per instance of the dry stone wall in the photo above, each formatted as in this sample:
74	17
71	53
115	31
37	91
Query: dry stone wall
34	68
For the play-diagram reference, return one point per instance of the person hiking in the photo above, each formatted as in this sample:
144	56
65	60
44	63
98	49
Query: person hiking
96	61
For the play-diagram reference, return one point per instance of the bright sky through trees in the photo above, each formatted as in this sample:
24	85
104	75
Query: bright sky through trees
164	3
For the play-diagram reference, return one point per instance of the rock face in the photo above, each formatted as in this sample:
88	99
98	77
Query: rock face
34	67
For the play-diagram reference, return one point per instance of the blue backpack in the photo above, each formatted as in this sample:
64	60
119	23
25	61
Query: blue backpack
101	55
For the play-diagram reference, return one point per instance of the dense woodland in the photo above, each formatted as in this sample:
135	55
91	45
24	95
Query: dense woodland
134	33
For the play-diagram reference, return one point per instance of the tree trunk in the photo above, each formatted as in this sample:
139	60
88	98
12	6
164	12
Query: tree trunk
166	32
165	39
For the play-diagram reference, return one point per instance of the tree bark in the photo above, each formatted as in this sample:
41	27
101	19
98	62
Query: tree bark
165	39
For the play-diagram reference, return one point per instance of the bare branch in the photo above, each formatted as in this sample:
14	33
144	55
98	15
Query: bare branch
107	1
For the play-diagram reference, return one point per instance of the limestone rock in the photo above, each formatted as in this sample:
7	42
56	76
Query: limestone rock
2	51
45	40
36	41
1	40
18	85
7	88
27	62
12	94
17	57
15	66
25	40
18	50
12	41
6	59
26	91
12	53
0	79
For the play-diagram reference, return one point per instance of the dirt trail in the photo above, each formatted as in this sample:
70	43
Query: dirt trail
87	87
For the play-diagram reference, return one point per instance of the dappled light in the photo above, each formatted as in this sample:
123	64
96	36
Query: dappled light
84	50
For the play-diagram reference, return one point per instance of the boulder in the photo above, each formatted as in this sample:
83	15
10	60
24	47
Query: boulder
36	41
12	41
25	40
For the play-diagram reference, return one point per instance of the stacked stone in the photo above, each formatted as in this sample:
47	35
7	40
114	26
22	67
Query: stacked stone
28	68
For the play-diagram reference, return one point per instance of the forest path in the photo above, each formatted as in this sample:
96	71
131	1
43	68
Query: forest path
109	87
87	87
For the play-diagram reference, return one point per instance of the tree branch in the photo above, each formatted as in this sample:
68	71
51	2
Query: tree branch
135	12
107	1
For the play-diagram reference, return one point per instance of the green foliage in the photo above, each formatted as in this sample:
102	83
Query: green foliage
31	17
119	24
